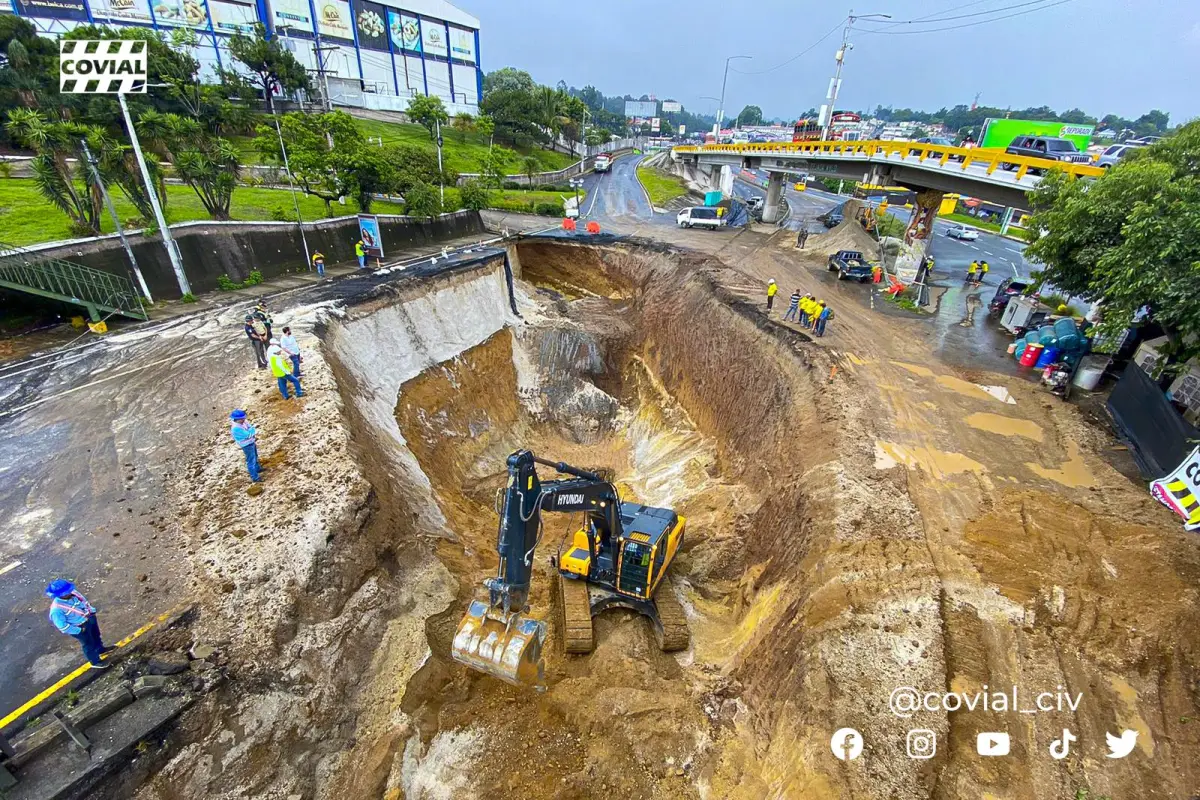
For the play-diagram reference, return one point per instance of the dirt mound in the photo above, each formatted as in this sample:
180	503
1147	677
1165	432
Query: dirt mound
849	235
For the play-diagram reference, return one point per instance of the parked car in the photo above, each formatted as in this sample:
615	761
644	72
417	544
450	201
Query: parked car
833	218
962	232
702	216
1144	140
1008	289
938	140
1048	147
850	264
1114	154
755	202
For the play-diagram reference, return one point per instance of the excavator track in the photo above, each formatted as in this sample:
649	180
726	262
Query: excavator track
670	625
576	608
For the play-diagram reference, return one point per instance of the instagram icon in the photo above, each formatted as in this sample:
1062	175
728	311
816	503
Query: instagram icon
922	743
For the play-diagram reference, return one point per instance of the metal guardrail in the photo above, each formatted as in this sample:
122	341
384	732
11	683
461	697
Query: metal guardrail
96	290
939	153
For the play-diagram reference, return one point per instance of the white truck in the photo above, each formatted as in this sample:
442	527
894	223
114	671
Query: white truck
603	162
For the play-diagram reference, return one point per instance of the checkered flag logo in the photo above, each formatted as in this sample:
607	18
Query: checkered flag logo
107	66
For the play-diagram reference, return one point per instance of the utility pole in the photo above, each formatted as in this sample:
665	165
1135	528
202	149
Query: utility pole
721	107
291	183
112	210
835	85
168	241
441	173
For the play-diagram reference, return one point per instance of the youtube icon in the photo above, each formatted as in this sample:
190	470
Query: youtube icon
992	744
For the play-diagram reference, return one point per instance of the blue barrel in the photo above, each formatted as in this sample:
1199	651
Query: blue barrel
1021	345
1065	327
1045	335
1048	357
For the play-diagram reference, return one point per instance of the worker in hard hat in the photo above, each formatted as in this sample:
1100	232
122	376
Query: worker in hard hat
72	614
818	307
772	289
281	368
245	436
806	310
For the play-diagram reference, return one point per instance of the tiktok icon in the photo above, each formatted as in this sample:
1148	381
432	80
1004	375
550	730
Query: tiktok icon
1061	748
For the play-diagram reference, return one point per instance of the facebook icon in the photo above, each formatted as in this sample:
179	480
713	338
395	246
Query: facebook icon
846	744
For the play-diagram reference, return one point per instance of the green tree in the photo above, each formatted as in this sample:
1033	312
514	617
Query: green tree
1129	238
422	200
530	166
428	111
27	66
491	168
209	164
273	66
509	98
59	169
413	164
313	141
473	195
750	115
486	126
464	123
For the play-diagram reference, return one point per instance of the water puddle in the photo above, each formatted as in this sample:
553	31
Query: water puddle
938	463
1006	426
1073	473
959	385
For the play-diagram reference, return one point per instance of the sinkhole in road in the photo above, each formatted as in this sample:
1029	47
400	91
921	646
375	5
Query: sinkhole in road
635	362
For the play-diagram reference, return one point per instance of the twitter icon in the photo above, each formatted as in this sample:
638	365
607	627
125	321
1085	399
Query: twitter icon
1121	746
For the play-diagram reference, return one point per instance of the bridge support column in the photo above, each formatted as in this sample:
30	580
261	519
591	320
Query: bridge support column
771	211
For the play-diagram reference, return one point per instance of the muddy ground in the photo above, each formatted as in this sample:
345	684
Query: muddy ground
861	517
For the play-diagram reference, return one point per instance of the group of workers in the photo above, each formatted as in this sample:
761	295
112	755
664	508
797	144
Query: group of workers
976	271
281	355
805	309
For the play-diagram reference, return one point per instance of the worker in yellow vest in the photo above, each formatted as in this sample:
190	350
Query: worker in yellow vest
971	271
772	288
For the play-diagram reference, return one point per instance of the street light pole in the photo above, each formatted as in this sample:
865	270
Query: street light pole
112	211
836	85
168	241
721	107
441	173
291	183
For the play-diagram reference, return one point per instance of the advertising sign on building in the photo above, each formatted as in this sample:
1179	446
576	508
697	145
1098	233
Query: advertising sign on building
122	10
54	9
655	124
681	130
334	19
186	13
462	44
404	31
232	17
641	108
370	23
372	239
433	39
1001	132
671	107
293	13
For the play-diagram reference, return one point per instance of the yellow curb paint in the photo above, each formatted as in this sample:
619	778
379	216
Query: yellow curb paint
63	682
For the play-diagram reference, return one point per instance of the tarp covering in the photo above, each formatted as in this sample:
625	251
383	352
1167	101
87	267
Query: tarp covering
1161	439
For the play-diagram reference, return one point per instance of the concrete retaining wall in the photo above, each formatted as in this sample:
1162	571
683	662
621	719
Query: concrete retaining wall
211	249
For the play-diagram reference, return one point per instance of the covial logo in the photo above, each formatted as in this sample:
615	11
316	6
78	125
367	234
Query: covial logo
106	66
846	744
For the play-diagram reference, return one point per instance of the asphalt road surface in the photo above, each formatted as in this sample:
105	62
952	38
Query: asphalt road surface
617	195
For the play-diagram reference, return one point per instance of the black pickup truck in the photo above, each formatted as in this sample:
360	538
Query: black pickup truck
850	264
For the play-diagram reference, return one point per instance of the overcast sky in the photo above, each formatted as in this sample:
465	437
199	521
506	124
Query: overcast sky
1119	56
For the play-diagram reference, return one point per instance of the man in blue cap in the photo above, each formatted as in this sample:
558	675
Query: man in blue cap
244	434
72	614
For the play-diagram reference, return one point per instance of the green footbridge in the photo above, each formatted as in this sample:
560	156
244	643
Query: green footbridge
102	294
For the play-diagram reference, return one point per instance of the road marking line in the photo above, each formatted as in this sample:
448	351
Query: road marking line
49	692
10	567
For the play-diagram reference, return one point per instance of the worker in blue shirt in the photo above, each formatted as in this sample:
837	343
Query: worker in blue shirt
244	435
72	614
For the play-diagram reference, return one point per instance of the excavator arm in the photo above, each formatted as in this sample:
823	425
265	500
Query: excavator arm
495	636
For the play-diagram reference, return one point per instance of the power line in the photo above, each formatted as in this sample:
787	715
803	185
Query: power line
805	51
965	25
928	20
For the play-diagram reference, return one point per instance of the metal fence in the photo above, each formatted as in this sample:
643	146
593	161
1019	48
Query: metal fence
96	290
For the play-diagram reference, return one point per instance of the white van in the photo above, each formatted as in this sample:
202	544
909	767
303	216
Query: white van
704	216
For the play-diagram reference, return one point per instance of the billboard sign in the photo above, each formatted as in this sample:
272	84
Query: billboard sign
681	130
372	239
433	39
404	31
462	44
292	13
231	17
122	10
370	23
334	19
54	9
671	107
641	108
655	124
1001	132
184	13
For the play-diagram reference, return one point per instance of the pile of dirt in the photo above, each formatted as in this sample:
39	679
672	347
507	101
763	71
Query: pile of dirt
848	235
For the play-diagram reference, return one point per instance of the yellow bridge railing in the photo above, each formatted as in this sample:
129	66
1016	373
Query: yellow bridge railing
941	154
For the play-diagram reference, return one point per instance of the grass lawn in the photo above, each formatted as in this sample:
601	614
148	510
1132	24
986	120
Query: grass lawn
661	187
973	222
27	218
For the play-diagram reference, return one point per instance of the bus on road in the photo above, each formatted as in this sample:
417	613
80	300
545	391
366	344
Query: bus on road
806	130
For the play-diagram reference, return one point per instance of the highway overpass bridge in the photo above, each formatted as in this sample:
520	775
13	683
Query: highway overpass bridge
987	174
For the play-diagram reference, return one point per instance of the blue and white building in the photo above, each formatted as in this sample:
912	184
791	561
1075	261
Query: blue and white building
372	54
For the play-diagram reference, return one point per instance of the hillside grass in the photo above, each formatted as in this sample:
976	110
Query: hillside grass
662	187
972	222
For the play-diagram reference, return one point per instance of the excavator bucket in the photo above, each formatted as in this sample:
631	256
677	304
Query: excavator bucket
506	646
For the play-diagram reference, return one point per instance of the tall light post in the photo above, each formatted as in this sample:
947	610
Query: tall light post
721	107
836	84
152	193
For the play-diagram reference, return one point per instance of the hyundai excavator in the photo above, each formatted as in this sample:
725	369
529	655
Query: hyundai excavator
618	558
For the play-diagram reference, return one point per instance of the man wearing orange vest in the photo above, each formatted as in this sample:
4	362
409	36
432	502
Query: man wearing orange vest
72	614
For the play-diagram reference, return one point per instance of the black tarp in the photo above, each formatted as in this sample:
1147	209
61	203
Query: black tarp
1160	439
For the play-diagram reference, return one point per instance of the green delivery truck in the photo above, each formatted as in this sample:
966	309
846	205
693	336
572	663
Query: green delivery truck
999	133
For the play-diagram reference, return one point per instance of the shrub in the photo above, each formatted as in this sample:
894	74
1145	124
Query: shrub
253	279
511	185
6	169
227	284
281	214
188	298
422	200
549	209
473	195
548	187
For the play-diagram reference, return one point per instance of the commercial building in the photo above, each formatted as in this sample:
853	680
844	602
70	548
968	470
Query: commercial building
374	55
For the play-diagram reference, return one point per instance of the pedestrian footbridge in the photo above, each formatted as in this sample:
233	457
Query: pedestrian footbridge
100	293
988	174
